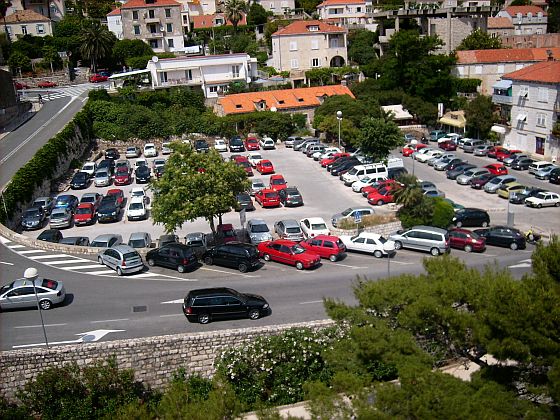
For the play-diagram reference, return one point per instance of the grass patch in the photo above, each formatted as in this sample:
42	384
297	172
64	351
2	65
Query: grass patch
368	221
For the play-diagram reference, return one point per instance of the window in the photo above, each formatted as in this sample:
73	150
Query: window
188	74
539	16
539	145
501	68
460	70
293	46
235	71
163	76
524	91
541	119
171	43
151	14
154	43
358	9
334	43
478	69
24	29
213	89
314	44
529	17
294	63
315	62
543	94
167	13
40	28
169	27
135	15
136	29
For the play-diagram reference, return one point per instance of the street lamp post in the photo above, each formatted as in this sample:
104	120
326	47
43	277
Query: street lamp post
339	118
389	248
414	143
31	274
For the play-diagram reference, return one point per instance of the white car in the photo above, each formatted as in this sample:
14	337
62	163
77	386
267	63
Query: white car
424	157
364	182
89	168
150	150
254	158
136	209
421	152
267	143
321	154
313	226
220	145
158	162
165	149
257	184
543	199
372	243
140	162
139	192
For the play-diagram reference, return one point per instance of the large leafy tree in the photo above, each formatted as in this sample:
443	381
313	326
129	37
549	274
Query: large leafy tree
378	136
553	12
195	185
96	42
257	14
234	11
360	49
480	40
127	48
480	116
351	109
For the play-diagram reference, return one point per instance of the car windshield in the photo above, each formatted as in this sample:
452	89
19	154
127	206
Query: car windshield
266	164
40	203
122	171
136	206
99	244
256	157
130	256
258	185
278	181
138	193
271	195
58	213
346	212
87	199
318	226
297	249
383	191
83	210
293	230
88	167
260	228
101	174
32	213
229	233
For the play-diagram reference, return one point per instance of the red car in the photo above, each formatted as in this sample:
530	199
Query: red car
277	182
85	214
378	185
480	181
381	196
96	78
497	169
409	149
505	153
225	233
326	246
332	159
288	252
467	240
267	198
20	85
122	176
448	146
119	194
46	84
252	144
493	151
265	166
246	166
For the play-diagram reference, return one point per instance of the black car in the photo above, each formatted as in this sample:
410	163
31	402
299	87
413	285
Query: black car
394	173
80	180
344	167
45	203
168	239
75	240
142	174
458	170
109	210
469	216
453	163
177	256
236	144
554	176
33	218
522	164
50	235
290	197
109	164
244	201
159	171
112	154
518	197
201	146
338	162
296	145
233	254
503	236
205	305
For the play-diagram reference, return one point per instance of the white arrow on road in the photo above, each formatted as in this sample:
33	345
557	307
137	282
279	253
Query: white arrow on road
174	301
522	264
86	337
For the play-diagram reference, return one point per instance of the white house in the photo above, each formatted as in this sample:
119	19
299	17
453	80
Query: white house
114	23
213	73
344	11
527	20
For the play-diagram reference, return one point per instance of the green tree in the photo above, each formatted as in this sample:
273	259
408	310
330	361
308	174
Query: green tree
309	6
360	49
349	134
51	58
410	194
351	109
19	62
553	16
97	42
195	185
378	137
480	116
257	14
127	48
234	11
240	42
479	40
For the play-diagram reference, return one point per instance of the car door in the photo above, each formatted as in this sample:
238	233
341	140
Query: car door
233	307
314	245
175	257
274	251
457	239
306	227
372	245
329	248
163	257
358	244
24	297
221	255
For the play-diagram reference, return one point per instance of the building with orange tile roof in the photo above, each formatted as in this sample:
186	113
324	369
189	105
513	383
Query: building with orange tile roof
499	27
277	7
530	108
300	100
490	65
27	22
348	11
307	44
212	21
527	20
54	10
114	23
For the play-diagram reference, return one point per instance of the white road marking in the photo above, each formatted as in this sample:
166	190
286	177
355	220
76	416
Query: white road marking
81	267
16	246
38	326
73	261
6	263
32	251
174	301
109	320
402	263
227	272
348	266
522	265
311	302
45	257
167	316
4	240
101	272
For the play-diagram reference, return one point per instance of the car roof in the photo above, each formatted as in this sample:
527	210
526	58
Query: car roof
268	190
105	237
211	291
137	235
431	228
289	222
82	205
136	199
257	222
315	219
194	235
123	248
370	235
284	242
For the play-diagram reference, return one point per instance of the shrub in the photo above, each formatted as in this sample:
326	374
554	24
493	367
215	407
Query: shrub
367	221
443	213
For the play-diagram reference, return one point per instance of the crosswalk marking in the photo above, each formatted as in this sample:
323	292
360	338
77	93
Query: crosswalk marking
32	251
51	94
44	257
82	267
16	246
75	261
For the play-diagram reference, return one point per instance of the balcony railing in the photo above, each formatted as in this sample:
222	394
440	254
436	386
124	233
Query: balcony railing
502	99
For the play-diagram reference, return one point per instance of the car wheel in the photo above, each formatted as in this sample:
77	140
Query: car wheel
398	244
380	203
299	265
254	314
484	224
208	261
242	268
468	248
266	257
181	268
459	224
45	304
119	271
513	246
151	262
434	252
100	260
204	318
539	206
557	204
378	254
333	258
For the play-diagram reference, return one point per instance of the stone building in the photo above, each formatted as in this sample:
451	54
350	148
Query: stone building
27	22
52	9
526	20
499	27
277	7
345	11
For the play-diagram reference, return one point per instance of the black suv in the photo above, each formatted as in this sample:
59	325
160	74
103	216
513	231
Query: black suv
233	254
204	305
108	210
173	255
471	217
201	146
290	197
503	236
142	174
50	235
80	180
112	154
236	144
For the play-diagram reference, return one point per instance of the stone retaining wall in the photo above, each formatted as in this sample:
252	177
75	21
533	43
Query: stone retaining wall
154	359
384	230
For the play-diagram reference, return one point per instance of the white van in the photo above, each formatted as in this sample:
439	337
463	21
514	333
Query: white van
358	172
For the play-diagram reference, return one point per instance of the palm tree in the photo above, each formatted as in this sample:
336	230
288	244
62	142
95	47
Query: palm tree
234	11
97	42
410	194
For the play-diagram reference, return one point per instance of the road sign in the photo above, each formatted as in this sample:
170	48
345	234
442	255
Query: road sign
242	217
358	217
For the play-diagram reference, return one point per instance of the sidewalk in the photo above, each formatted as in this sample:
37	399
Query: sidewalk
22	119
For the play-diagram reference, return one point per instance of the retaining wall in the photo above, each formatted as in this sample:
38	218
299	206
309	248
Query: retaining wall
154	359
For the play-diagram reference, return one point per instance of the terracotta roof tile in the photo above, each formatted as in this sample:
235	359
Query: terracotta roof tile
514	10
207	21
545	72
340	2
302	27
137	4
21	16
115	12
280	99
506	55
499	22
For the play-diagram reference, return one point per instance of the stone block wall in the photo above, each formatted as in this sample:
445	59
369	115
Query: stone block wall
154	359
384	230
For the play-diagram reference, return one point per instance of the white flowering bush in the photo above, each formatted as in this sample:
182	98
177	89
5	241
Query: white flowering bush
272	370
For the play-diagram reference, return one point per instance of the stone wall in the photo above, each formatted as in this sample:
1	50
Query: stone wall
154	359
383	230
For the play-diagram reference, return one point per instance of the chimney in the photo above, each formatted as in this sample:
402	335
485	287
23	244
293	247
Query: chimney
550	56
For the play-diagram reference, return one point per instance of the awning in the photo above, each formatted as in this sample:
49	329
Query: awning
502	84
128	73
521	117
452	122
498	129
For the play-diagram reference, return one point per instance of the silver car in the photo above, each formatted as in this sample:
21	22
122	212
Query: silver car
441	163
466	176
106	240
482	150
544	173
496	183
513	158
21	294
140	240
422	238
257	184
61	218
121	258
102	178
289	229
258	231
350	213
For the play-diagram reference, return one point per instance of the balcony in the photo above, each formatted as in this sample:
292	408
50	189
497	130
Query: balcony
152	35
502	99
153	19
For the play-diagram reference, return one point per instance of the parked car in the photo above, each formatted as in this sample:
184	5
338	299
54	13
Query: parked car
410	148
225	233
108	211
139	192
470	216
325	246
466	177
66	201
251	143
140	162
106	240
89	168
493	151
518	197
197	241
244	202
341	168
503	236
267	198
497	169
288	252
20	85
24	294
506	190
482	149
554	176
46	84
466	240
433	153
121	258
122	164
298	145
277	182
150	150
177	256
313	226
122	176
158	171
140	240
33	218
136	209
448	145
359	186
522	164
441	163
434	192
132	152
267	143
45	203
92	198
264	166
495	183
290	197
470	144
205	305
257	184
112	154
382	196
61	218
505	153
97	78
288	229
511	159
50	235
102	178
142	174
543	199
371	243
236	144
254	158
220	145
330	160
85	214
480	181
237	255
435	135
545	172
350	214
246	166
422	238
458	170
118	194
108	165
168	239
258	231
290	141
